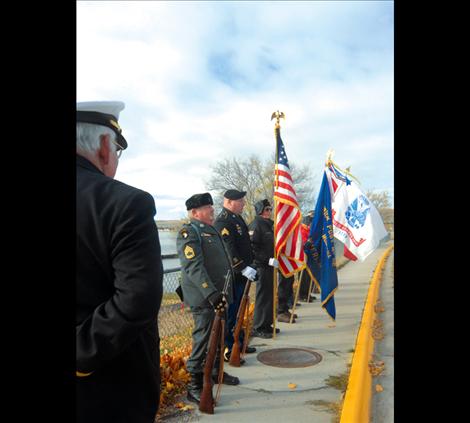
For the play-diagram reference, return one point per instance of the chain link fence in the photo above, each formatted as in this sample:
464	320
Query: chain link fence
174	317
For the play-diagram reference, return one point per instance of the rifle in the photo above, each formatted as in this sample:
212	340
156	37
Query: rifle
206	403
235	354
249	322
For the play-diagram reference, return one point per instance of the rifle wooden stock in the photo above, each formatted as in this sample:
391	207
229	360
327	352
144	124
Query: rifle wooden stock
248	326
206	404
235	354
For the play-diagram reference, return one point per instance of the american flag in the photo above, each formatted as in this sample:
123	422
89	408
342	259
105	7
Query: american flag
287	232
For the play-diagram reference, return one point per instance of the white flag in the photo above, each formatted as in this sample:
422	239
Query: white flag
356	221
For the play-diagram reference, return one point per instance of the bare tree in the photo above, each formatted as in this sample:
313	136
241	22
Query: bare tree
381	201
257	178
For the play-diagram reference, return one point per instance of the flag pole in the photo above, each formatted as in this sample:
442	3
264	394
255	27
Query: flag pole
296	296
277	126
309	289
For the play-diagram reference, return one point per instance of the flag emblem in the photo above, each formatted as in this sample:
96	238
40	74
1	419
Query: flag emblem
356	213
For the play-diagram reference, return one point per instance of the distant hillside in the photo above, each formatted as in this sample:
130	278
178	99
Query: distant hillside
169	225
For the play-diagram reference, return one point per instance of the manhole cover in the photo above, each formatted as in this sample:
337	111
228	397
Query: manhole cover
289	357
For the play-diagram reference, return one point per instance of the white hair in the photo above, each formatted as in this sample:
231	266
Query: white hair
88	136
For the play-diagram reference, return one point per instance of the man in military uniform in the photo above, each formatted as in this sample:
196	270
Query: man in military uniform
305	281
234	231
204	264
261	232
119	279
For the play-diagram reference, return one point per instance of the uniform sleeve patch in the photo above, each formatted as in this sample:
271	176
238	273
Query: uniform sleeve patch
225	232
189	252
184	233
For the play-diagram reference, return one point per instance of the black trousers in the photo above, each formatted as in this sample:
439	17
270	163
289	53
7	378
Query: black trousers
238	289
285	293
263	316
305	285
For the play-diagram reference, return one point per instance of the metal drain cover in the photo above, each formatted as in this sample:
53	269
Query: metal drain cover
289	357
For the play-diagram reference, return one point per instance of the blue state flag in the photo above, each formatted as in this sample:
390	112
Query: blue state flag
320	249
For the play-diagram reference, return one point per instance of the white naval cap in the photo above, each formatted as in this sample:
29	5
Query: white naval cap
103	113
107	107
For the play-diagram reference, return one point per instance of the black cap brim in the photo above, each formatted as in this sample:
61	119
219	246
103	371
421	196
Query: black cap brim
104	119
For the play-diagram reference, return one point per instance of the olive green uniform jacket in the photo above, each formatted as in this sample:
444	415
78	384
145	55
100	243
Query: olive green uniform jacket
204	263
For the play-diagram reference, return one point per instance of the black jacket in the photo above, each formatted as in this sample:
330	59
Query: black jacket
119	291
234	231
261	232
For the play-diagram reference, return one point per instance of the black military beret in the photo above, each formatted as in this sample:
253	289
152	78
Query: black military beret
233	194
198	200
260	206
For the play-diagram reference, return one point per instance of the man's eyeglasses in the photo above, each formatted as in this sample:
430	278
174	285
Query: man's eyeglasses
268	208
118	149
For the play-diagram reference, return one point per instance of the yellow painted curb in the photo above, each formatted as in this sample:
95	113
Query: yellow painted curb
356	405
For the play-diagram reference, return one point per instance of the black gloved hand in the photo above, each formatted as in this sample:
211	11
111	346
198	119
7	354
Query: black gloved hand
218	301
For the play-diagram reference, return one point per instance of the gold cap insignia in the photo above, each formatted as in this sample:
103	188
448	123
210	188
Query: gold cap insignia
189	252
115	124
224	232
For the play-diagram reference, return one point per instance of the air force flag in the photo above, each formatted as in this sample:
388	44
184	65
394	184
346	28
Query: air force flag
357	223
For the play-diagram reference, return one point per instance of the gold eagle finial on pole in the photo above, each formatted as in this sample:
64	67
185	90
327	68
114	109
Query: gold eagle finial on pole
278	115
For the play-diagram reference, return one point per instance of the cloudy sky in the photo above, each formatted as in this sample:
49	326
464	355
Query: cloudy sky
200	81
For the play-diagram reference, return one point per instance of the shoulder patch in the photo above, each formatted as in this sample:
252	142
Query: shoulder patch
225	232
189	252
184	233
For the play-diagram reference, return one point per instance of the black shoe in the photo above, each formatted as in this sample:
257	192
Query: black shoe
226	379
227	356
285	318
271	330
195	387
261	334
250	350
194	396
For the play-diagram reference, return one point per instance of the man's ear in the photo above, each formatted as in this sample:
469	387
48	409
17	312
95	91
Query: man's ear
104	151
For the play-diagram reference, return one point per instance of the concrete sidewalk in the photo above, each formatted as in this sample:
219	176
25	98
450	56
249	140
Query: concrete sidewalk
263	394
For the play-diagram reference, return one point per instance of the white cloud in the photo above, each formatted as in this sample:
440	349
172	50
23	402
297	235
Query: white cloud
201	79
